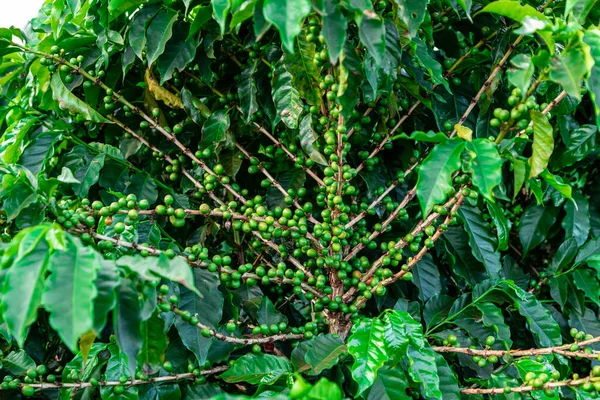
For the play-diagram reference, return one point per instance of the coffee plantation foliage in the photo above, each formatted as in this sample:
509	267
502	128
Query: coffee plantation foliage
301	199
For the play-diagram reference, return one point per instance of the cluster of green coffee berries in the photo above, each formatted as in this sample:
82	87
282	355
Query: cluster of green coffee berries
32	375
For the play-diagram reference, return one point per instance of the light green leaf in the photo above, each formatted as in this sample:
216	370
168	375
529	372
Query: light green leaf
69	101
520	170
221	10
521	73
372	35
17	362
88	175
334	29
579	8
367	347
247	92
536	222
304	71
286	97
391	384
137	32
588	284
435	174
412	13
577	219
568	70
118	7
158	34
203	15
557	183
308	139
252	368
592	38
214	132
514	10
287	16
324	352
502	224
70	291
420	136
481	240
486	165
24	281
155	342
127	319
543	143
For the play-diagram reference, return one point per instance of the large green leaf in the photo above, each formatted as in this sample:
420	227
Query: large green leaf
158	34
483	243
412	13
502	224
486	165
179	52
536	222
127	320
308	139
116	368
24	281
514	10
17	362
582	142
305	73
248	92
591	248
155	341
372	35
491	316
324	352
215	134
287	16
435	174
88	175
568	70
543	143
448	379
588	284
252	368
107	281
118	7
522	72
391	384
592	38
576	222
367	347
69	101
334	29
286	97
221	9
426	276
137	32
70	291
208	309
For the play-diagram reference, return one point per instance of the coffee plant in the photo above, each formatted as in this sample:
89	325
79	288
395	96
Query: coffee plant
323	199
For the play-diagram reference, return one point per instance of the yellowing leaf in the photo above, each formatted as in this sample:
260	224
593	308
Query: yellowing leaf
463	132
85	344
160	93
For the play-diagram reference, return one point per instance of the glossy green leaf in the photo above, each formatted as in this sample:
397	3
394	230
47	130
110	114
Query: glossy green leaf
588	284
308	139
154	343
412	13
158	33
543	143
286	97
107	280
482	241
324	352
72	103
419	362
582	142
501	223
334	29
557	183
535	225
372	34
137	33
118	7
576	222
252	368
127	320
70	291
24	282
116	368
221	9
420	136
568	70
367	347
449	385
514	10
521	72
304	71
559	289
435	174
88	175
491	316
248	92
436	309
17	362
591	248
592	38
179	52
215	132
391	384
287	16
433	67
486	165
203	15
426	276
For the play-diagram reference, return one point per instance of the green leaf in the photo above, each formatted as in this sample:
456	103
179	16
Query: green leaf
175	270
481	239
304	71
308	139
24	281
247	92
535	224
158	34
88	175
242	13
418	363
391	384
426	276
372	34
543	143
214	132
137	32
70	291
287	16
582	141
448	379
435	174
591	248
579	8
107	281
420	136
514	10
334	29
491	316
433	67
557	183
588	284
208	309
294	179
17	362
155	341
179	52
118	7
502	224
576	222
127	319
268	314
203	15
591	37
568	70
252	368
116	368
412	13
286	97
486	165
221	9
521	73
520	169
559	289
367	347
69	101
231	162
436	309
324	352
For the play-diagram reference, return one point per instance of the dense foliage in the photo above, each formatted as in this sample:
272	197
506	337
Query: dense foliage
301	199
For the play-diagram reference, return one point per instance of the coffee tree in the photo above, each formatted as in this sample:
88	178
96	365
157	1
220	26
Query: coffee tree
296	199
